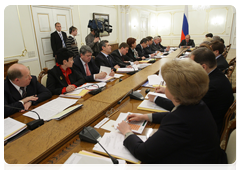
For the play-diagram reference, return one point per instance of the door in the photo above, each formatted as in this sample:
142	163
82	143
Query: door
44	23
144	27
234	32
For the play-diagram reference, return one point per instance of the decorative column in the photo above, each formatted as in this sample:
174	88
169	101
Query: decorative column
127	7
122	8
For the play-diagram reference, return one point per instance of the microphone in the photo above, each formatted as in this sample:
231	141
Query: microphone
125	96
33	124
114	160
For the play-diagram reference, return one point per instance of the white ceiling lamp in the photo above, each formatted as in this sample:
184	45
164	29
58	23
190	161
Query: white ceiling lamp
200	7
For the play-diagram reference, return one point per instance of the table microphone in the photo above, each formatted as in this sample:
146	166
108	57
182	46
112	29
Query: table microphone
33	124
93	92
114	160
125	96
132	72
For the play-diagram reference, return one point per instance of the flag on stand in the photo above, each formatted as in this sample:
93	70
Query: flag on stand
185	23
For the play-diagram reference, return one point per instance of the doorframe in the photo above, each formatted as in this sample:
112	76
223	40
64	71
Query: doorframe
33	24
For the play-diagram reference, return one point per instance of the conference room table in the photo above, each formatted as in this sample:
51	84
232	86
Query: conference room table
56	140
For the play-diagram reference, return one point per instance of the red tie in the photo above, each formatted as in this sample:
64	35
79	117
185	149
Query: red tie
88	73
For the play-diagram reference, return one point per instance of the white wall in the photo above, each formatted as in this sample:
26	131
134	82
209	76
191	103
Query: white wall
162	20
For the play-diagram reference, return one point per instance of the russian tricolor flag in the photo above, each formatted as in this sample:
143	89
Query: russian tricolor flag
185	23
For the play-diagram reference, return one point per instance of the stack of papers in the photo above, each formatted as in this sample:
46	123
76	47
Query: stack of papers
156	79
126	70
12	127
147	60
136	127
156	94
150	106
77	93
106	79
84	157
113	143
49	109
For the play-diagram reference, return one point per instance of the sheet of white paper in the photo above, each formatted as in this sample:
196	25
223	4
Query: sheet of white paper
118	75
109	126
156	94
49	109
113	143
125	70
154	79
77	158
76	91
105	69
104	79
151	105
11	126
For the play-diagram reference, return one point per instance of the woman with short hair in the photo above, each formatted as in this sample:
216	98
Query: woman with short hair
62	78
132	54
188	134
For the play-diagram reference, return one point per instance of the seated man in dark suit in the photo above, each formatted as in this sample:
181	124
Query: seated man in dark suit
218	49
22	90
188	134
219	96
85	64
165	48
140	49
119	55
148	49
104	58
155	45
187	42
62	78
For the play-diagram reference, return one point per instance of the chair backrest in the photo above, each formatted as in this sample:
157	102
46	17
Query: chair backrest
229	115
225	53
231	147
231	68
44	80
42	74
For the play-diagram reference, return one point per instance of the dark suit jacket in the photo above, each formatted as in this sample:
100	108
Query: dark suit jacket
148	50
119	59
101	60
56	80
78	66
130	56
222	63
12	96
156	47
190	43
141	52
218	98
56	42
162	46
187	135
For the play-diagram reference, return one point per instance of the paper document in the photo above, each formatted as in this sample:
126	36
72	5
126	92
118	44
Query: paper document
77	158
12	127
155	80
150	106
106	79
156	94
105	69
113	143
49	109
110	126
118	75
126	70
136	127
94	85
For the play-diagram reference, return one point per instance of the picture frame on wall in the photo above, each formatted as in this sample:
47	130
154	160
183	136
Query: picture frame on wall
101	17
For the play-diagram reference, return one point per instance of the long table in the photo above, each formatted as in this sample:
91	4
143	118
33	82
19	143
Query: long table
41	144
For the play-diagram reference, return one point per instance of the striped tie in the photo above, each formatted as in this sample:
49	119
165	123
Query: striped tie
24	93
63	44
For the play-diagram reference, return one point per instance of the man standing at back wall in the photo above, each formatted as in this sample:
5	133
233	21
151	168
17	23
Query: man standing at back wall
58	39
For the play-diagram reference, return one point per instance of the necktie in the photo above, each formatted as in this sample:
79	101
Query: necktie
24	93
186	43
88	73
110	62
63	44
135	53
